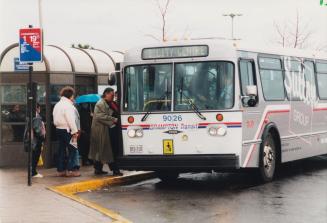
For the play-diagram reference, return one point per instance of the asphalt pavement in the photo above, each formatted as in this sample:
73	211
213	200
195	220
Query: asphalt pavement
298	194
36	204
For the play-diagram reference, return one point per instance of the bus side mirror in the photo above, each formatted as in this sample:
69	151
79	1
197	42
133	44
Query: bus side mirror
112	79
251	95
251	90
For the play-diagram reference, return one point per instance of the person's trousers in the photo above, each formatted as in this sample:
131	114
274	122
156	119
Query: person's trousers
114	139
36	152
84	146
65	162
113	134
98	165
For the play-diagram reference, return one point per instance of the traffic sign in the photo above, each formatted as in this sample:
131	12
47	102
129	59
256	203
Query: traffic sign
20	66
30	45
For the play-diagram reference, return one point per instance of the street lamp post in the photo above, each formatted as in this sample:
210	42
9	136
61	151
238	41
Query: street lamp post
232	15
40	13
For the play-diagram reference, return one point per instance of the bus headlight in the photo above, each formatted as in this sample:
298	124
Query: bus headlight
131	133
217	130
221	131
212	131
135	132
139	133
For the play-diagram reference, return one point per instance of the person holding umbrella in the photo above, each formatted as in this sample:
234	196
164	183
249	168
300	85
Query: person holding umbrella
101	145
86	105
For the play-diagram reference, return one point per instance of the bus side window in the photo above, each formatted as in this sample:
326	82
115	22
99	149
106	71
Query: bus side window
310	78
321	68
247	78
272	78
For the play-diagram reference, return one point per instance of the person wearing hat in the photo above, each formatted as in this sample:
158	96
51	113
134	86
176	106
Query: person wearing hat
101	145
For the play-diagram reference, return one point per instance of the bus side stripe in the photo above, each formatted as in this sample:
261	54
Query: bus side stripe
271	109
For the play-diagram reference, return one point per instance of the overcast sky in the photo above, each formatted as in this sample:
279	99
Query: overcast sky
119	25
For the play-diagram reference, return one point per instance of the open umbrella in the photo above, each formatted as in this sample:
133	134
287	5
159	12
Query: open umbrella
88	98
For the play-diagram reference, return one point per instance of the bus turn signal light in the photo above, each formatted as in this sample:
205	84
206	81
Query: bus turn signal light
219	117
130	119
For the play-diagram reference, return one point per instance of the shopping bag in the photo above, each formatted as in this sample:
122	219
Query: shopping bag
40	162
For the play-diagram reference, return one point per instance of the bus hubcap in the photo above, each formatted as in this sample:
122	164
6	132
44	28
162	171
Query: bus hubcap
268	158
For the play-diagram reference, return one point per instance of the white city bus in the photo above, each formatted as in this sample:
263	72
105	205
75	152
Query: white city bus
214	106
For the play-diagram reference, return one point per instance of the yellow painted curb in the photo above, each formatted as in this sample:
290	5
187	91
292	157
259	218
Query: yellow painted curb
70	190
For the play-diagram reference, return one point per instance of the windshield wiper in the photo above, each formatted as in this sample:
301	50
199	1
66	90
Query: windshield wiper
193	106
149	111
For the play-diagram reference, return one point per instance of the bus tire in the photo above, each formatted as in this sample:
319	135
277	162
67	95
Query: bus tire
167	176
268	158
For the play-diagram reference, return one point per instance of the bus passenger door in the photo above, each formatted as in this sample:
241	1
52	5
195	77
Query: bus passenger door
251	112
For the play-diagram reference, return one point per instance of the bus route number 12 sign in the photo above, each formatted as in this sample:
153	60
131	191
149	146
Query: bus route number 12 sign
30	45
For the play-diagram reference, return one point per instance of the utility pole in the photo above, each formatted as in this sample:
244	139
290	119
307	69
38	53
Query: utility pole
232	15
40	13
30	120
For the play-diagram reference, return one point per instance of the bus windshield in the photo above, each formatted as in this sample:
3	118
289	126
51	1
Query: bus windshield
201	85
209	85
147	88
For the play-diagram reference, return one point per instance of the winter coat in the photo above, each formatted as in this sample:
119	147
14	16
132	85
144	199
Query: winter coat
100	145
64	115
38	134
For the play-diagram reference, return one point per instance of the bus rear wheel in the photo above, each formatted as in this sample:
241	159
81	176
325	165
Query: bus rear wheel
267	158
167	176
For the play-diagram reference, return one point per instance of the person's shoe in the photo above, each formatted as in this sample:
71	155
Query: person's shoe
73	174
37	175
61	174
100	172
76	173
117	173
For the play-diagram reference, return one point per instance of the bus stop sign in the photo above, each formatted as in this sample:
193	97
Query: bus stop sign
30	45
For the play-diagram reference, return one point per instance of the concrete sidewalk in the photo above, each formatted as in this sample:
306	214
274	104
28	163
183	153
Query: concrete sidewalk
20	203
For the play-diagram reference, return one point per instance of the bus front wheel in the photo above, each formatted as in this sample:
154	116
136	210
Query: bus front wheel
166	176
267	158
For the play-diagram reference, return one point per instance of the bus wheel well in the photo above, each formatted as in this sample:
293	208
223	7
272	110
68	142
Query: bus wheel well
274	132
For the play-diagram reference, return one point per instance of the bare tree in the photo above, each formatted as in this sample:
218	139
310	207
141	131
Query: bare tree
281	31
163	9
163	12
294	34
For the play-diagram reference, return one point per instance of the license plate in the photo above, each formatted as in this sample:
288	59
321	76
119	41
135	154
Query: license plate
168	147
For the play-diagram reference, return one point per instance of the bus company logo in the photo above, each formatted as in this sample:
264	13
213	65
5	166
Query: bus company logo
173	132
296	84
323	2
173	126
170	126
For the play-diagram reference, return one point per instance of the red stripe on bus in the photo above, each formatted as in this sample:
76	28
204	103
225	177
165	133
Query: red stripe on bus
270	112
261	128
225	123
320	109
145	126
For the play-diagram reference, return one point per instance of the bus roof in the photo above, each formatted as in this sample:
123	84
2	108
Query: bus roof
225	49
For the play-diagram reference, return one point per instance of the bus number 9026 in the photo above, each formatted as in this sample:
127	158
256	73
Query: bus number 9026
172	118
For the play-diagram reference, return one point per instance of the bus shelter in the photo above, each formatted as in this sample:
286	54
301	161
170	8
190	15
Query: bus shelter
84	69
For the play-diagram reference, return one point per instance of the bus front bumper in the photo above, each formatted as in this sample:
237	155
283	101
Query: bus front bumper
180	163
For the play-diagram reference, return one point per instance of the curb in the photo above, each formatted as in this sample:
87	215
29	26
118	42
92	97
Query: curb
70	190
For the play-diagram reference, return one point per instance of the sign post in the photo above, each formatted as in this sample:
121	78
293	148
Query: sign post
30	50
